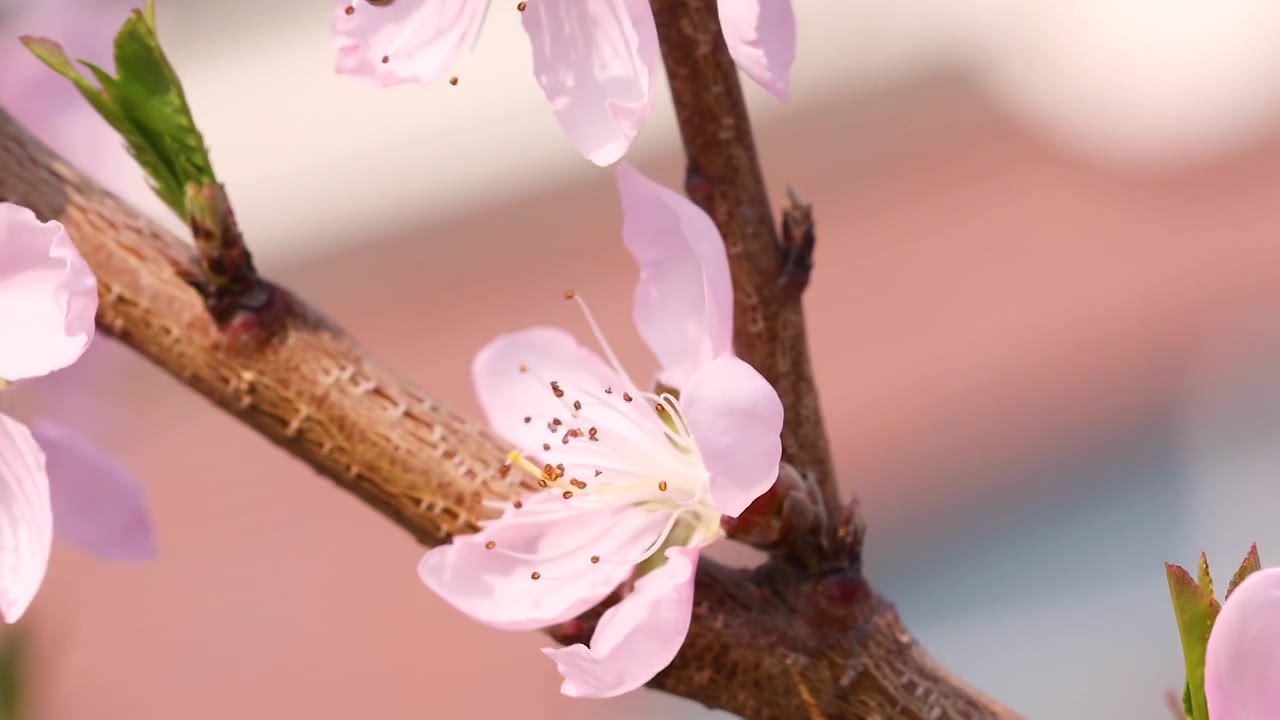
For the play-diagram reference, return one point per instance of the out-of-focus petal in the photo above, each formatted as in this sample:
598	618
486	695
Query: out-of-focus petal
496	585
761	35
48	296
1242	663
636	638
403	41
596	61
97	504
26	520
684	298
736	416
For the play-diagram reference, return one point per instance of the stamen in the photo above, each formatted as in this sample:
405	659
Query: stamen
662	486
595	559
351	10
604	344
521	5
626	396
577	404
490	545
546	447
608	390
527	419
568	494
599	473
578	484
535	575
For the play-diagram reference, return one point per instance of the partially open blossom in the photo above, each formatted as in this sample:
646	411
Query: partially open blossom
634	482
48	298
1242	663
595	59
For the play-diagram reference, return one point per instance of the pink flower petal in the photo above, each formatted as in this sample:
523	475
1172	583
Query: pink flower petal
513	376
404	41
684	298
1242	665
48	296
26	521
498	589
97	504
636	638
736	417
761	35
596	62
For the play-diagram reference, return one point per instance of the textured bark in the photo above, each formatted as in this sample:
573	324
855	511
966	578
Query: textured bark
725	179
774	643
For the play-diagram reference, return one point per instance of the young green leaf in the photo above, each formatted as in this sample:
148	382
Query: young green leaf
1195	610
1251	564
144	102
1203	578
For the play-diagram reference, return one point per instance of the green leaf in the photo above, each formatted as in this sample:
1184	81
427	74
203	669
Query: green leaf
1195	610
1252	563
144	102
1203	578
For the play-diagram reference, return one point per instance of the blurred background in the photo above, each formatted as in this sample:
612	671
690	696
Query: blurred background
1043	318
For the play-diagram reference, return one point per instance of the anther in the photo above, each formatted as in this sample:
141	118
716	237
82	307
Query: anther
517	504
524	368
542	483
578	484
568	494
527	419
662	486
546	447
568	294
626	396
504	470
595	559
386	59
559	470
599	473
548	472
591	433
659	407
608	390
535	575
556	422
577	404
521	6
453	80
351	10
490	545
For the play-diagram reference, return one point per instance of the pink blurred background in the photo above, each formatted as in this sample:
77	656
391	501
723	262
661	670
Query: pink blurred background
1043	320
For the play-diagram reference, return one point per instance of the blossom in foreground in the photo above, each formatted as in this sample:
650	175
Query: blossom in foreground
635	482
48	298
596	60
1242	663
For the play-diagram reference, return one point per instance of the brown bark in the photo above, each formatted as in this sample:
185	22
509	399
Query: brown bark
774	643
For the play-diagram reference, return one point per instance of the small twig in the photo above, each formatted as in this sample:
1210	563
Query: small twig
724	178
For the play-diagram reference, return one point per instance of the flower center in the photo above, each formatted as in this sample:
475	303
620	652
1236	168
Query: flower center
621	447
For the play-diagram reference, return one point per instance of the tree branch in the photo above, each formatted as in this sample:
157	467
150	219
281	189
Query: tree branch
724	178
770	644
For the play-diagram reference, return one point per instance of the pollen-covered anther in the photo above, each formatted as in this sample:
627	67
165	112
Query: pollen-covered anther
527	419
627	396
568	494
546	447
662	485
568	294
350	10
556	422
522	5
535	575
660	408
595	559
453	80
592	434
577	404
517	504
386	59
490	545
555	389
578	484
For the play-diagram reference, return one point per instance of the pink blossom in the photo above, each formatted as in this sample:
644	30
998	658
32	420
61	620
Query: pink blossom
1242	663
48	297
631	477
596	60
